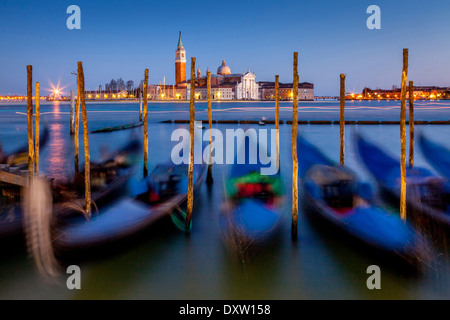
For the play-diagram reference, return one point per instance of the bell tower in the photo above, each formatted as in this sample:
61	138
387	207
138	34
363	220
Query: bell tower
180	63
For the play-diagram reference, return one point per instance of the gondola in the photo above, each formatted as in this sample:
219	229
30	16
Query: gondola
427	194
19	157
162	194
437	155
10	197
108	179
251	214
334	194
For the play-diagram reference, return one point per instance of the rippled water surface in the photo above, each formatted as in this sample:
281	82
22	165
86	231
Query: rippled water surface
164	263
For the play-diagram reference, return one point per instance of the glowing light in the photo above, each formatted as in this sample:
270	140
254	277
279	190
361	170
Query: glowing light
56	92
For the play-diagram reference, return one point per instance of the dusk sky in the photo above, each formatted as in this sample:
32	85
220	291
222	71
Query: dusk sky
122	38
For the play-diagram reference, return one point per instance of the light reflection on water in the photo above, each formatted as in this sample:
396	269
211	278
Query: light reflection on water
165	264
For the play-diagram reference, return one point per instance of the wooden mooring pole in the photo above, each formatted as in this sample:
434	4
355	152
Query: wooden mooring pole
72	101
30	121
411	124
145	124
294	149
77	127
140	105
342	120
403	137
277	118
190	199
36	141
87	158
209	178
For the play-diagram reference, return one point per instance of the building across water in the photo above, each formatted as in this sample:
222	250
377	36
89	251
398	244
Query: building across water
225	85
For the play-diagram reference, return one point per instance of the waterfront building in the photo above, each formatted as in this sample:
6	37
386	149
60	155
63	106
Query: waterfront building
420	92
226	85
267	91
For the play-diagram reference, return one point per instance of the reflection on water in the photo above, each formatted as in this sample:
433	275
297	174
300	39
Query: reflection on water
164	263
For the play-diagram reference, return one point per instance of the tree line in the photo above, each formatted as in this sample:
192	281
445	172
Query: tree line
119	85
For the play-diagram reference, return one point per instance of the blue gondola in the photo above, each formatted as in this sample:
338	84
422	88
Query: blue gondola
437	155
251	214
427	193
333	193
162	194
11	216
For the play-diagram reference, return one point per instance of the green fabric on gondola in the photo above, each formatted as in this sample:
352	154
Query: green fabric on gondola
254	178
178	217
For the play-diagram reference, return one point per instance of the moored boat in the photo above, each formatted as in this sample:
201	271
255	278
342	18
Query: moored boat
335	194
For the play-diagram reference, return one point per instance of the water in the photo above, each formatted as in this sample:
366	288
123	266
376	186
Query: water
164	263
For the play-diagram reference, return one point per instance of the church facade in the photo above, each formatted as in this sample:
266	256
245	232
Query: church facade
226	85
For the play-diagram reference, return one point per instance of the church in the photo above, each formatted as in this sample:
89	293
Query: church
224	84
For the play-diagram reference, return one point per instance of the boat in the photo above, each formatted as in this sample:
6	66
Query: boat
427	194
437	155
118	128
15	162
162	194
251	214
19	157
107	181
334	194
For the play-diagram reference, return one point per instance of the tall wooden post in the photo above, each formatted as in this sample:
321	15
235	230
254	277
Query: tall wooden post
342	120
145	124
77	127
277	118
36	142
140	105
190	199
403	137
72	101
209	178
294	149
30	121
411	124
87	158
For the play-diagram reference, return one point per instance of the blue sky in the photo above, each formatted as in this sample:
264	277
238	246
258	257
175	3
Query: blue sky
122	38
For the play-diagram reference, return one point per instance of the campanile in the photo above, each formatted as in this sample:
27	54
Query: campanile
180	63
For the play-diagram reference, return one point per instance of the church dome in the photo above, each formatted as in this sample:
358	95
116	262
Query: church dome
224	69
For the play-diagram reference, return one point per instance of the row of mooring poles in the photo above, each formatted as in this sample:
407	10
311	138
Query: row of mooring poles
404	88
75	129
